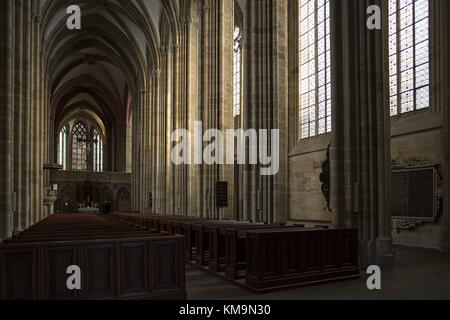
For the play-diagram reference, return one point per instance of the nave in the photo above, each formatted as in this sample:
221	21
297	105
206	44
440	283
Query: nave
90	121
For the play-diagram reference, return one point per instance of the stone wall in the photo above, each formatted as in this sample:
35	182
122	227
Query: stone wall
307	204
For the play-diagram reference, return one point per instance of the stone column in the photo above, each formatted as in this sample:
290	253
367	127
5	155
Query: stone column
360	156
32	121
39	136
202	188
160	197
175	171
216	63
183	116
134	189
146	142
266	61
193	41
137	152
35	74
155	139
148	145
25	144
18	114
441	74
6	89
225	92
169	189
43	112
142	135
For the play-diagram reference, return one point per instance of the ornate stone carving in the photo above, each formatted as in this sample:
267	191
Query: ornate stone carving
185	21
156	73
325	179
176	48
410	163
405	224
81	176
203	9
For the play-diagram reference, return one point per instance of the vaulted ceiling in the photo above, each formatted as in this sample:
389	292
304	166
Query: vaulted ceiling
101	67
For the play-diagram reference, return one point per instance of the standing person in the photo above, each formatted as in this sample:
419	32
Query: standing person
107	208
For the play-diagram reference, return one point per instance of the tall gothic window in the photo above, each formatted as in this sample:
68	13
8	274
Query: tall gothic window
98	152
79	147
315	68
237	72
63	147
409	69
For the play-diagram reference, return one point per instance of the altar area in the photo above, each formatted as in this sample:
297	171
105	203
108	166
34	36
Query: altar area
89	210
84	191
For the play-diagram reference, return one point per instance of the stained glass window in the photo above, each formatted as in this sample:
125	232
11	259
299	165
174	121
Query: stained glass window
409	68
79	147
63	147
315	68
237	74
98	152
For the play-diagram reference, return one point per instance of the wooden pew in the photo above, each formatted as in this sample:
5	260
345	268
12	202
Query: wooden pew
236	247
272	257
117	261
141	268
171	224
287	258
202	239
218	243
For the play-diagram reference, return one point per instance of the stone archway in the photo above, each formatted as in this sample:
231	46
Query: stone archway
66	202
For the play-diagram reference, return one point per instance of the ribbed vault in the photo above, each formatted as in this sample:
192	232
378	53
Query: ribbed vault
103	67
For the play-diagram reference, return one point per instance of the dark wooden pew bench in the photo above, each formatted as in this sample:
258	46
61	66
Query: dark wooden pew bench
287	258
217	240
236	247
117	261
268	257
202	239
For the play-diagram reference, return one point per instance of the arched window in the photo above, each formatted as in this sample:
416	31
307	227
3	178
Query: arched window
79	147
409	67
98	152
63	147
237	72
315	68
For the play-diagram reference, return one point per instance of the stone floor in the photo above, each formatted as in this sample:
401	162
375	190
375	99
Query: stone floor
419	274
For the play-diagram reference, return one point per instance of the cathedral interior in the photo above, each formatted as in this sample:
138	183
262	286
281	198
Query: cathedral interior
98	97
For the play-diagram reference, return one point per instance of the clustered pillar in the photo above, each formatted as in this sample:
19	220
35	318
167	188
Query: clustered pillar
266	94
360	154
441	11
184	90
21	117
193	81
